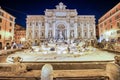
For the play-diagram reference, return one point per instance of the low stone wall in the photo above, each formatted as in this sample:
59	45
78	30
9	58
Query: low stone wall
67	66
6	67
9	51
110	70
113	71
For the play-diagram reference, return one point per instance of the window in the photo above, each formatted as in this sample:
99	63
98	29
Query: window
72	16
78	24
118	24
110	20
11	18
85	34
0	36
104	23
85	24
118	32
111	26
116	17
10	30
42	23
0	19
36	23
110	14
116	9
101	25
10	24
1	13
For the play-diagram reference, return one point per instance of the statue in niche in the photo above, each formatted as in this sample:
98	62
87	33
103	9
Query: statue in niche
72	34
50	34
60	35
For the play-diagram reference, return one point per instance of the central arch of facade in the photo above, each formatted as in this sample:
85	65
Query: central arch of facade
61	31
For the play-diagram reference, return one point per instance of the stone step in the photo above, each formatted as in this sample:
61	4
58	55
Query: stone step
56	73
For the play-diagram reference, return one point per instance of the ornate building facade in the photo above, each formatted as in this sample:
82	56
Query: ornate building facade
7	22
109	24
60	24
19	34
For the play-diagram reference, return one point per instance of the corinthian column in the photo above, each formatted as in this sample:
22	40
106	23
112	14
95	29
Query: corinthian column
46	29
75	30
53	29
82	31
68	31
89	34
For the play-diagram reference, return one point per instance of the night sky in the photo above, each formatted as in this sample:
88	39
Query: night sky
21	8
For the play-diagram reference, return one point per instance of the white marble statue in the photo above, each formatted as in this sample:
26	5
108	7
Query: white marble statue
61	36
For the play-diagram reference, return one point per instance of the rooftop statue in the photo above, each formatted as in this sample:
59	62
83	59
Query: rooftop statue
61	6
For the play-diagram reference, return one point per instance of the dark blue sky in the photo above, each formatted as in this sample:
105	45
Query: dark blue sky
21	8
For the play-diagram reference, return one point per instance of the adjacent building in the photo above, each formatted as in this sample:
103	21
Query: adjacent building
60	24
7	22
109	24
19	34
97	32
